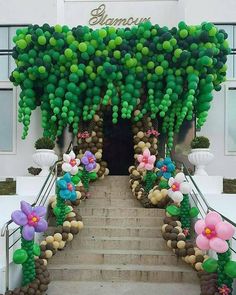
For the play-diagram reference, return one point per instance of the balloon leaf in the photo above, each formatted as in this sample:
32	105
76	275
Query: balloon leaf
75	179
230	269
20	256
173	210
93	175
56	211
193	212
210	265
163	184
36	249
80	173
67	210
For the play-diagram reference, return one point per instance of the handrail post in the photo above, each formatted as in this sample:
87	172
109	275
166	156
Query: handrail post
7	259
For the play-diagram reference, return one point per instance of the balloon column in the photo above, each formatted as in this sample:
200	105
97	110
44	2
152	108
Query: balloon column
65	192
143	70
89	162
146	162
30	220
178	191
214	233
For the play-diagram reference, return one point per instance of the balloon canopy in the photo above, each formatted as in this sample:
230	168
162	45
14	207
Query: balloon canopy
143	70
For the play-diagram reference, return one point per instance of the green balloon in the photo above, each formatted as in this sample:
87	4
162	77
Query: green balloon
230	269
163	184
75	179
36	249
194	211
93	175
173	210
20	256
56	211
210	265
67	210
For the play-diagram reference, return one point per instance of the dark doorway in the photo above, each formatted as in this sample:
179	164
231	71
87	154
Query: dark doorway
118	144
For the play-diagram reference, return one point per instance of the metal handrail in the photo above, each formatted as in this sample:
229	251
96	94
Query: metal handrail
54	167
40	200
208	207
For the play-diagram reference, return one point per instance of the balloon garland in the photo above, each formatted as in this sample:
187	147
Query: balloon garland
143	70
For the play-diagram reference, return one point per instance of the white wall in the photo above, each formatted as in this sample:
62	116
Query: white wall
197	11
17	164
214	129
28	11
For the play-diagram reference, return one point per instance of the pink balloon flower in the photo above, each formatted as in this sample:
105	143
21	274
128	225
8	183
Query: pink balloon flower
146	161
213	233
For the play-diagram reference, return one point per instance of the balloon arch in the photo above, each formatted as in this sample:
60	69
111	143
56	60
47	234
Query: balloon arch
143	71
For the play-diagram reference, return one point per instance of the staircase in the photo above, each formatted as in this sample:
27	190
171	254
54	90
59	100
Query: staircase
120	250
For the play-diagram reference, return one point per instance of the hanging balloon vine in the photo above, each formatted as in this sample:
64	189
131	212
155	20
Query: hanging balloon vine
143	70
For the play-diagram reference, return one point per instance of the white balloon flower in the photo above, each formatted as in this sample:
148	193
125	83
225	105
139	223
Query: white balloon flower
178	187
70	163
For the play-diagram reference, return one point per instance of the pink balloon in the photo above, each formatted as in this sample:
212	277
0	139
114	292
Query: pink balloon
199	226
202	242
140	158
225	230
212	218
218	245
146	153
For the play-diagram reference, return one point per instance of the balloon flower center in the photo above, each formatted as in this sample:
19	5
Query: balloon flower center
175	186
145	159
209	232
164	168
69	186
91	159
73	162
33	219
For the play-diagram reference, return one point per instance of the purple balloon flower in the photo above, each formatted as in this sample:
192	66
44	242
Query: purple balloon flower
89	161
30	219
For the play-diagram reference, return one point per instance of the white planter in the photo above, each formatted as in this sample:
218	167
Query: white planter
200	158
44	158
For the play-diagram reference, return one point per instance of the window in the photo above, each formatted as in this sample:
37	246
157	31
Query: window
230	119
7	91
230	29
7	120
7	63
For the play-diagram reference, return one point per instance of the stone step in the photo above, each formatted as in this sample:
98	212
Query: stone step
112	180
105	202
119	273
121	221
121	212
139	257
122	243
115	231
110	193
127	288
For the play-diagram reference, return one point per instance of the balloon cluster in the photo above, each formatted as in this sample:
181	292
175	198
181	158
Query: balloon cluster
173	233
146	69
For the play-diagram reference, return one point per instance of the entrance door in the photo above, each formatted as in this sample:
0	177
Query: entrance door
118	145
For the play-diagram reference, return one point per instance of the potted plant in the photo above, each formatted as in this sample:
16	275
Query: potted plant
200	155
44	156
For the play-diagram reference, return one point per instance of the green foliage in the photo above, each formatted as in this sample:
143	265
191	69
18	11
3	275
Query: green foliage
143	70
44	143
200	142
